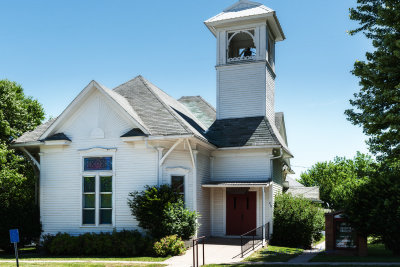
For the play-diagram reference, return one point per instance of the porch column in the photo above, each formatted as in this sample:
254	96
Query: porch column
263	215
159	165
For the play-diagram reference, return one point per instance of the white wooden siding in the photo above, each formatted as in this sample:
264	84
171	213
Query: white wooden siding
241	166
180	159
218	211
241	91
60	181
203	194
274	189
270	96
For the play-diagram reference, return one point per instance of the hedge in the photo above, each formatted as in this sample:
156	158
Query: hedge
124	243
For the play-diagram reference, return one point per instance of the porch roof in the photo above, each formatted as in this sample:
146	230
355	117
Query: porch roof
238	184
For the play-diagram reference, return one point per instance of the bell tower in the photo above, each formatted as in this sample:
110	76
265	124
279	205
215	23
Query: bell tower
246	34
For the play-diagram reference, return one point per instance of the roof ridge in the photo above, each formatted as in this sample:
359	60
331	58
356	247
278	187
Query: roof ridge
164	104
208	104
137	77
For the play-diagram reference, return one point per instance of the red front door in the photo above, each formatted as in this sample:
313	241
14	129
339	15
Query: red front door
240	213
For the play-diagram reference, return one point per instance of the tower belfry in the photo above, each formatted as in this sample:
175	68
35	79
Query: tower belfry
246	34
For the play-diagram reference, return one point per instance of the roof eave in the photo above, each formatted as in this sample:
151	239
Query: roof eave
25	144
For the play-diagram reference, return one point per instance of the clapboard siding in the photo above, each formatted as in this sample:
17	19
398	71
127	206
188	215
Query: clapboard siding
241	91
176	160
270	96
241	166
61	173
203	194
218	212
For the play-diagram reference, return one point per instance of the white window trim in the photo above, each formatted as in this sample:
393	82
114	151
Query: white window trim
179	171
98	152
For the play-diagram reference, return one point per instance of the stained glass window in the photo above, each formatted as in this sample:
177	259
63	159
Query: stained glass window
98	164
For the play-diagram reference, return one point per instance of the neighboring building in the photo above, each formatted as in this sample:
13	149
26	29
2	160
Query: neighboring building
228	162
299	190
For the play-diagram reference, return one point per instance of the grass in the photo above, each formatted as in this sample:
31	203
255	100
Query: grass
287	265
81	264
31	254
376	253
274	254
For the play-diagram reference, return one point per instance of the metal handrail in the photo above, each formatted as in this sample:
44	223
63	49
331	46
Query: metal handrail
254	233
196	242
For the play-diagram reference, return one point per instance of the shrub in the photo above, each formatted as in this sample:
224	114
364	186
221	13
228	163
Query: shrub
169	246
179	221
161	211
124	243
297	222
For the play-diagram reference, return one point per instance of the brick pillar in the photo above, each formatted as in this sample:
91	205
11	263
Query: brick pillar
329	232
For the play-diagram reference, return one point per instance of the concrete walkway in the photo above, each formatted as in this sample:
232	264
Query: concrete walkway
217	251
308	254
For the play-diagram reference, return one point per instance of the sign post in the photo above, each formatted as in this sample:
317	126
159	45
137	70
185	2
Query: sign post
14	238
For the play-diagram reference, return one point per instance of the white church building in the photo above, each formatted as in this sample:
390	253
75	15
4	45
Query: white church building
227	161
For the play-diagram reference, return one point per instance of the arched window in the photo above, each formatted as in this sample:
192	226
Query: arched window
241	46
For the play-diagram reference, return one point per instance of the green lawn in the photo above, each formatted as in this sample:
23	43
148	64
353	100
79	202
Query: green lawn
29	254
273	254
286	265
81	264
376	253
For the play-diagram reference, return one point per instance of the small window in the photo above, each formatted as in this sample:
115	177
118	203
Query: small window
98	164
177	183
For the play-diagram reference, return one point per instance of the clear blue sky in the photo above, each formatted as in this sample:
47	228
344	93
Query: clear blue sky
55	48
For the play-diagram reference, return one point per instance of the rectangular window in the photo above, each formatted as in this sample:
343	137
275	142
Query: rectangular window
177	183
105	199
89	200
97	164
100	188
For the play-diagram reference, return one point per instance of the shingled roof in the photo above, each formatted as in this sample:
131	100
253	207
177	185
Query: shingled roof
35	134
162	115
240	132
200	108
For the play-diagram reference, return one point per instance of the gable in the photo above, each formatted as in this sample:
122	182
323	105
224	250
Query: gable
95	118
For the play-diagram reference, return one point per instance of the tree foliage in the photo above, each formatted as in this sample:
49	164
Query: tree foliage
297	222
18	114
377	105
374	207
337	178
160	211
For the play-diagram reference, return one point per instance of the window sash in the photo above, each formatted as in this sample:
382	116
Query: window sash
100	218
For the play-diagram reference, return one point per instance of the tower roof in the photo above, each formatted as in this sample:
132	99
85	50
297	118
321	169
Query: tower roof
246	11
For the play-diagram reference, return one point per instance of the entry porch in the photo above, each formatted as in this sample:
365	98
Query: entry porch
239	207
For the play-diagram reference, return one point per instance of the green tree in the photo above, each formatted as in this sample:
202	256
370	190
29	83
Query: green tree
336	178
374	207
18	114
377	105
